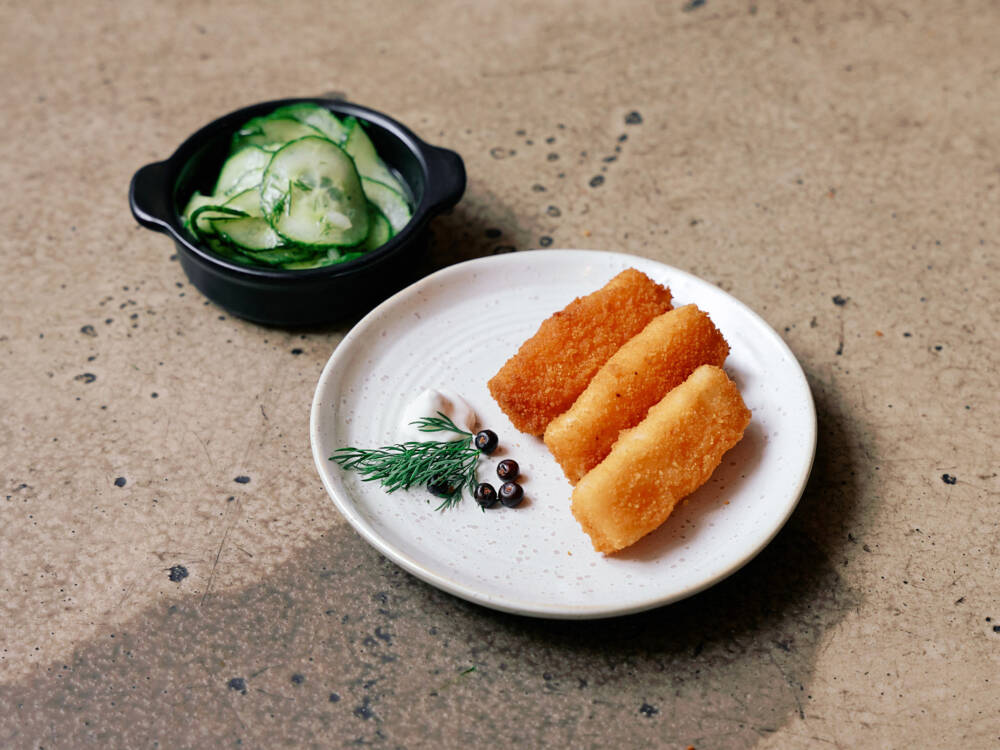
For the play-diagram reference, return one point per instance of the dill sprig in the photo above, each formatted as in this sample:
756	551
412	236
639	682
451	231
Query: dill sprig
451	464
441	423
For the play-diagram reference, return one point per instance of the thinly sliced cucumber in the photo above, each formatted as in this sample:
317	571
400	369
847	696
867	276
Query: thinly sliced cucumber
242	170
201	209
248	202
380	232
360	148
329	257
300	189
248	233
271	133
390	202
280	256
195	202
316	116
312	195
201	218
218	246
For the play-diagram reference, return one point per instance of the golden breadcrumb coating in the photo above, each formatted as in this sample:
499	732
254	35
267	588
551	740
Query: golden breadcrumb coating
643	371
667	456
553	367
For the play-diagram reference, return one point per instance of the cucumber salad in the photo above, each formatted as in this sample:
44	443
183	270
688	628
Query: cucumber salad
300	189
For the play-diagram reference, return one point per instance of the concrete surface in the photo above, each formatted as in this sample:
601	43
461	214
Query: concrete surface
833	165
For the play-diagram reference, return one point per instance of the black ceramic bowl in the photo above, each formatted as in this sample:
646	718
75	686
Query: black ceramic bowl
159	192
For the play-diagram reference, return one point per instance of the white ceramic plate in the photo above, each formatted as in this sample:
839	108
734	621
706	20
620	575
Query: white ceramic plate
454	329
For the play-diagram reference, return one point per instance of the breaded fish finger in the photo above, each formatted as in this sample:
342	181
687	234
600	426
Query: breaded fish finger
553	367
667	456
644	370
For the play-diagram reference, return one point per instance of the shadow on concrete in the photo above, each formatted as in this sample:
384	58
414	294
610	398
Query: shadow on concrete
339	647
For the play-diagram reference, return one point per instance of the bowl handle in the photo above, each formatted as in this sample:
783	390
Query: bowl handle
149	196
446	177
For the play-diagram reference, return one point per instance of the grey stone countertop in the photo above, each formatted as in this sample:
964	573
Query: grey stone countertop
172	573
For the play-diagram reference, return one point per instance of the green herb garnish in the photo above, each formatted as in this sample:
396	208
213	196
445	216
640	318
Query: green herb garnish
448	465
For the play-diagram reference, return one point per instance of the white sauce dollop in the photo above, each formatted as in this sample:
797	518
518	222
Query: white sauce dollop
428	404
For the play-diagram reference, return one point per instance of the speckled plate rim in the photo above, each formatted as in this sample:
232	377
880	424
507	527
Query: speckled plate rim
794	484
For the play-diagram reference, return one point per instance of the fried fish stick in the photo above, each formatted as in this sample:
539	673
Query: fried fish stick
644	370
667	456
553	367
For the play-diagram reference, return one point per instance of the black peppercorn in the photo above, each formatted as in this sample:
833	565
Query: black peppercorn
508	470
486	496
441	488
486	441
511	494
